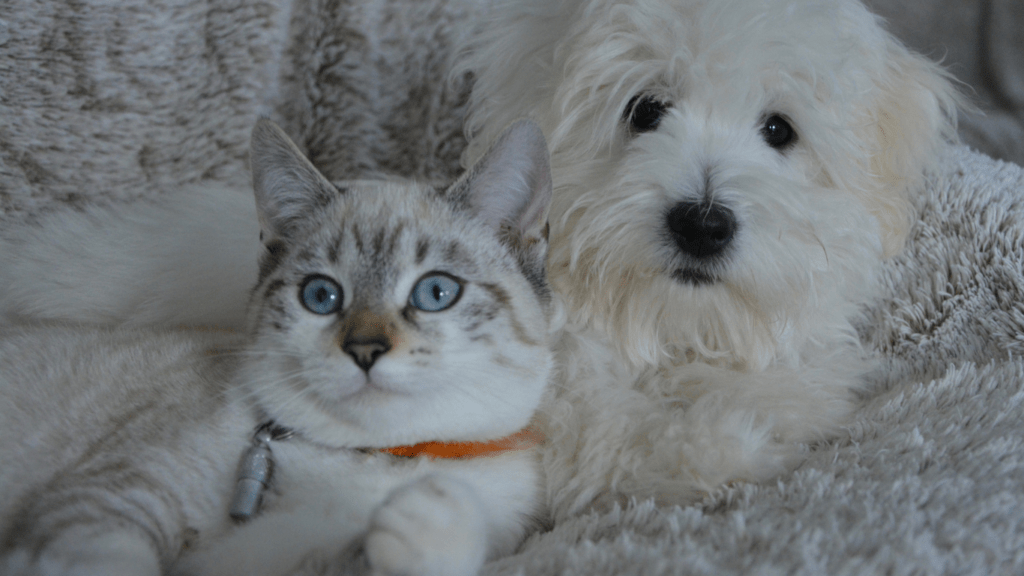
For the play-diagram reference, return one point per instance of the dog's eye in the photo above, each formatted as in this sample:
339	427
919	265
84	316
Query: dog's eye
644	113
777	132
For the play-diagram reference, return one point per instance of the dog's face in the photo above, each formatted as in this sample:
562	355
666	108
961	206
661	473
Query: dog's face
728	174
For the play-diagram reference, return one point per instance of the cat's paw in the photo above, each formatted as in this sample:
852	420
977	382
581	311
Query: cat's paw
102	555
434	526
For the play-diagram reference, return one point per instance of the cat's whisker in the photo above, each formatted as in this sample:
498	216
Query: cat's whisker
284	381
246	353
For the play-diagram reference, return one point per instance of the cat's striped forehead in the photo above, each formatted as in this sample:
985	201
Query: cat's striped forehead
383	226
373	231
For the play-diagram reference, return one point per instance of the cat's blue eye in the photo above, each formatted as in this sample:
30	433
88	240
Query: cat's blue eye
435	292
321	295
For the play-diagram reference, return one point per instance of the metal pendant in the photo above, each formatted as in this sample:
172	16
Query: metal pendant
254	472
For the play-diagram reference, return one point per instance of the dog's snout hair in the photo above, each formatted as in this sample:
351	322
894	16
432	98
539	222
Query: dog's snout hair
702	230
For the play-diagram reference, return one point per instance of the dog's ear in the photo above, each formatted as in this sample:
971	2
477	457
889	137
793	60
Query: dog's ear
912	115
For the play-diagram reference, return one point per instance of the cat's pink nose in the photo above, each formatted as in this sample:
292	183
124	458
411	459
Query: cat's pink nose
365	353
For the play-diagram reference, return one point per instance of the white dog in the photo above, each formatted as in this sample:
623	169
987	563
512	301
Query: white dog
729	175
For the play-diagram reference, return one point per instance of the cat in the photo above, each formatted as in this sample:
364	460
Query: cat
392	324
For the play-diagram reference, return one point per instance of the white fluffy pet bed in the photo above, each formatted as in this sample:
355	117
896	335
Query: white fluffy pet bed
113	100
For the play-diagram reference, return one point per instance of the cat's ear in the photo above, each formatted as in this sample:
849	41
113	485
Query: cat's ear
510	187
288	188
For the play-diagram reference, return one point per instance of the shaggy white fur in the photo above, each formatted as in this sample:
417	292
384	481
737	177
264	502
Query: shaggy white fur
729	176
928	478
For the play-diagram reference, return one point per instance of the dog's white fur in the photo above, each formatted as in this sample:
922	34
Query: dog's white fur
667	388
671	388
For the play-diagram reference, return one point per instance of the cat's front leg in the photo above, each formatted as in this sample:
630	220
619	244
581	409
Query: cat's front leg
434	526
85	551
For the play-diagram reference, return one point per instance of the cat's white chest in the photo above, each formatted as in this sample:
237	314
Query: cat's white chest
316	499
322	504
340	486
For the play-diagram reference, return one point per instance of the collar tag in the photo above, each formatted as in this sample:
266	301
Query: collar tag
254	472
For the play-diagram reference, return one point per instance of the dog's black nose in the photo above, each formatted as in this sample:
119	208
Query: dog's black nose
701	230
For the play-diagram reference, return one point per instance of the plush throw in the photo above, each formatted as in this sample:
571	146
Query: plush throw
114	100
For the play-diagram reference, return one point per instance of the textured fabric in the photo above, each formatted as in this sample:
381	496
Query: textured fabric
109	101
116	99
364	86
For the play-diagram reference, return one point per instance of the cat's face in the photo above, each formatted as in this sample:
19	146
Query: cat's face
390	313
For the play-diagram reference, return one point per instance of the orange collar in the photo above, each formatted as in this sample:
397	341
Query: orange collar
523	440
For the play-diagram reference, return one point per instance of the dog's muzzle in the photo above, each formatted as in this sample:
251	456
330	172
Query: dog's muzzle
701	230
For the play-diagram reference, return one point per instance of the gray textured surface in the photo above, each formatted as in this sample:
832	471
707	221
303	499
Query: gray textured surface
121	99
364	86
111	100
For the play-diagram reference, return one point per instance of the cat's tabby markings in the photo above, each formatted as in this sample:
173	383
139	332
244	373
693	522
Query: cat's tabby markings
385	314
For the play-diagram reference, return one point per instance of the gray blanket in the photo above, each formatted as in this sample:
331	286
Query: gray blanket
111	100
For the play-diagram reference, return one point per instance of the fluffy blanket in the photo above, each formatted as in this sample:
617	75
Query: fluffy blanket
112	100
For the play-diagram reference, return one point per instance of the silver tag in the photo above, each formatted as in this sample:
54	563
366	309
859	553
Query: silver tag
253	477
